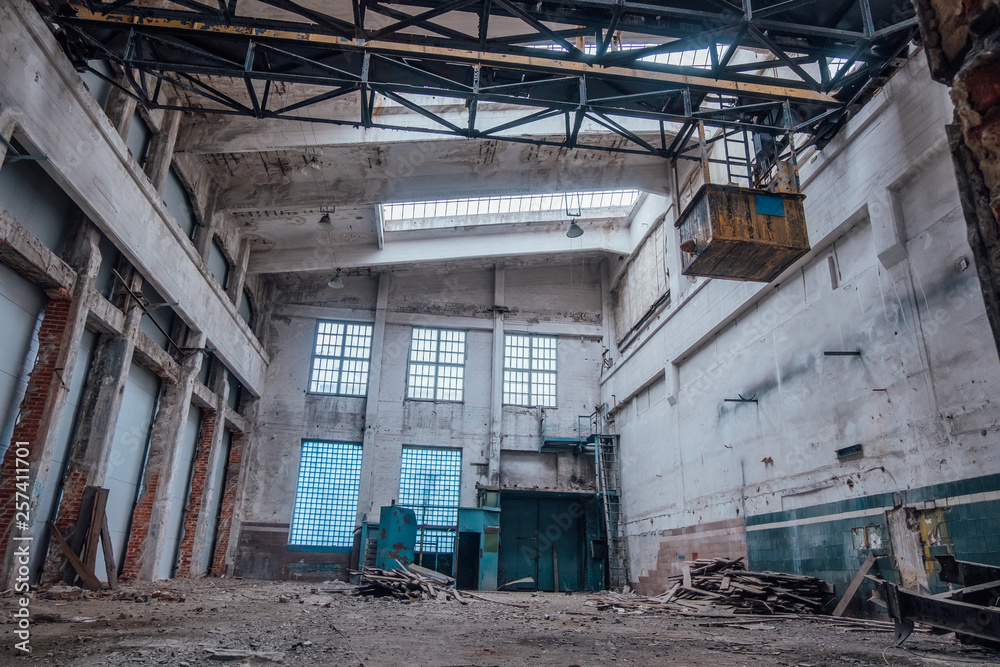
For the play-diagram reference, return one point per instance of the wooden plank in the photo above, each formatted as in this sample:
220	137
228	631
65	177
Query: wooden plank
555	566
109	554
94	529
686	573
90	582
855	585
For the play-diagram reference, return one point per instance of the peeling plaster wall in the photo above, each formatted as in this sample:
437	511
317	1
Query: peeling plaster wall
889	275
563	300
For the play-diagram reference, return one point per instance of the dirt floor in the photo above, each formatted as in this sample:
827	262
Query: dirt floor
195	622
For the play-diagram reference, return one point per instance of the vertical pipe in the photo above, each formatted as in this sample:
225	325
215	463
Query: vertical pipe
704	150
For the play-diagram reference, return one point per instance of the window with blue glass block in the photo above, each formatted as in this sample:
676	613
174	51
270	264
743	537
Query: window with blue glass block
429	484
326	500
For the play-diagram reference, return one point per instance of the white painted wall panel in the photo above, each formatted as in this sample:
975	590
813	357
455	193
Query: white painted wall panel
21	305
128	455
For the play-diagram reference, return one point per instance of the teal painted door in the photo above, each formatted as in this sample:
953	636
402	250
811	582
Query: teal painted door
560	540
518	541
538	536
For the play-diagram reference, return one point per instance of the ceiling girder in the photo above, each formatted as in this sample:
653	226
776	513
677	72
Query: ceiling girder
185	46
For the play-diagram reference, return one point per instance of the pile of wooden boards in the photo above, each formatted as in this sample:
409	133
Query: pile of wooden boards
710	586
406	585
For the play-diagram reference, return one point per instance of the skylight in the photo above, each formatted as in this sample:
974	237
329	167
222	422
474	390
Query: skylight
499	206
698	58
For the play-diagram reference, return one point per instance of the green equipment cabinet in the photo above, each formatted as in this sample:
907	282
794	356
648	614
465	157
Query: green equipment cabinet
478	548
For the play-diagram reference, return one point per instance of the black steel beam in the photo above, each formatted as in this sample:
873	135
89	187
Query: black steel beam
909	607
188	40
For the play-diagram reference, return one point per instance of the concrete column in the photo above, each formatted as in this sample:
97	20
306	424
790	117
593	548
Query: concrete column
496	405
161	150
366	492
120	107
144	551
678	281
62	327
211	437
99	409
238	276
227	507
673	239
204	233
608	313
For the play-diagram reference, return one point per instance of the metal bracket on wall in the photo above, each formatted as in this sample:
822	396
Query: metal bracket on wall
18	155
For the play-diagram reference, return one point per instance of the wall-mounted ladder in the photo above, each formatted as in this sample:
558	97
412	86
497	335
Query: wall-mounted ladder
609	483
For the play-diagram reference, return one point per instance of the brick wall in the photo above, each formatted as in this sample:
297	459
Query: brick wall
199	474
719	539
227	506
74	485
140	528
38	397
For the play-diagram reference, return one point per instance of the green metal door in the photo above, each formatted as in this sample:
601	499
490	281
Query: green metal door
560	540
538	536
518	541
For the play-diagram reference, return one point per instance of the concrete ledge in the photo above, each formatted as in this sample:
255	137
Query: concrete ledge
23	252
203	397
105	316
156	358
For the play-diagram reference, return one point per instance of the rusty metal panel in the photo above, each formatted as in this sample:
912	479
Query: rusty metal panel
397	537
741	233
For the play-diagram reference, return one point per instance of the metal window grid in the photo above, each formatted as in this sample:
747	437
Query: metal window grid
437	365
529	370
429	482
508	204
341	358
326	500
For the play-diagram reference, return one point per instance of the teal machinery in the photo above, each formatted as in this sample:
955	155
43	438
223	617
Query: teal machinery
477	548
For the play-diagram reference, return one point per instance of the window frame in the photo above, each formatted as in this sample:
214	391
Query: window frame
532	399
219	247
437	364
423	508
246	296
289	546
313	356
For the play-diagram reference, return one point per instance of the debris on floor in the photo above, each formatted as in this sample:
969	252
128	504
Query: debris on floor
226	621
722	585
405	585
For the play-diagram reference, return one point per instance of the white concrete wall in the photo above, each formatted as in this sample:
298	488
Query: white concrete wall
563	300
882	203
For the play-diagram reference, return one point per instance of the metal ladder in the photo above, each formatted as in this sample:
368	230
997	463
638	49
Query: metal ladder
609	483
739	159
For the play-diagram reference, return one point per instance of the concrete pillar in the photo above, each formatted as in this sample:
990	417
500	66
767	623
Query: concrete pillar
496	405
63	324
161	150
144	550
120	107
211	437
366	491
99	408
227	507
608	313
673	239
238	276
